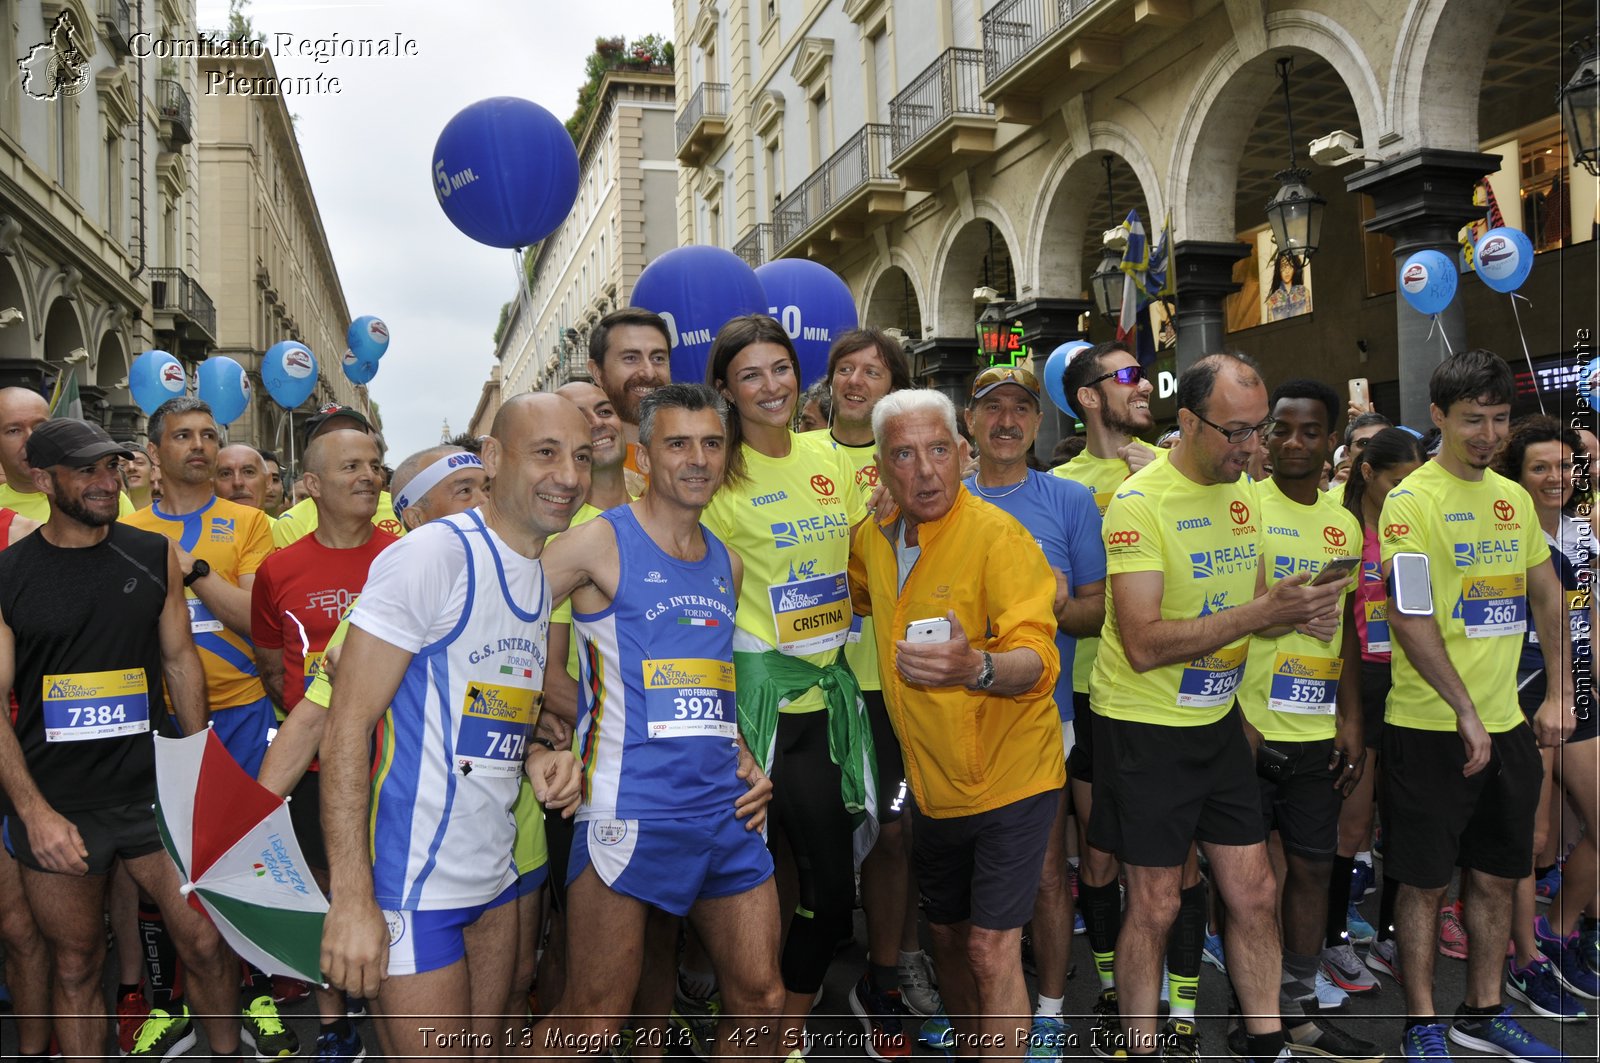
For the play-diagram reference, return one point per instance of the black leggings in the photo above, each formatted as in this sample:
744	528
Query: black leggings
808	809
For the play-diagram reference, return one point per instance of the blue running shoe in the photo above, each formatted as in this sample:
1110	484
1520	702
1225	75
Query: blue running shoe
1425	1044
1362	881
1548	885
331	1048
1078	925
1538	987
1047	1039
937	1032
1566	961
1589	944
1358	930
1504	1036
1329	996
1211	952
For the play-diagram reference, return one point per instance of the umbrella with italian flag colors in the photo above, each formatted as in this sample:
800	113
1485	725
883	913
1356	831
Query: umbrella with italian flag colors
236	852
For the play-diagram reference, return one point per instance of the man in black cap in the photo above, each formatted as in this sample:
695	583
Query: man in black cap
94	637
299	520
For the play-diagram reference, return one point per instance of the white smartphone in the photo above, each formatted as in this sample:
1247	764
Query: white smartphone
1336	570
1410	586
934	629
1360	391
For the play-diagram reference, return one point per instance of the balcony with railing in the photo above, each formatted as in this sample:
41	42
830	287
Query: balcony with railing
703	121
182	307
941	116
177	114
755	246
116	26
855	185
1032	45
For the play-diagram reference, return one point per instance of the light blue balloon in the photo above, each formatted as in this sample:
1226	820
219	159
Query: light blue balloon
1428	281
367	338
155	377
1055	374
289	373
1503	258
356	371
224	387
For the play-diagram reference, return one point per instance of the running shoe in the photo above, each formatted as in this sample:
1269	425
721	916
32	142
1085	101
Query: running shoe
918	990
1384	957
1106	1036
881	1013
264	1031
1319	1037
164	1035
1538	987
132	1010
1357	929
1566	961
1589	944
1211	952
1180	1041
1344	968
696	1020
1452	934
937	1033
1548	886
331	1048
1502	1035
1362	880
1426	1044
1047	1037
354	1007
1329	997
1078	925
287	990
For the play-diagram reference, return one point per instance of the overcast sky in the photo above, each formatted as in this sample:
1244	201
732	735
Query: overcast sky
368	151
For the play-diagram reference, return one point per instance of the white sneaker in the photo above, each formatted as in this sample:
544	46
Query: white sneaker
917	985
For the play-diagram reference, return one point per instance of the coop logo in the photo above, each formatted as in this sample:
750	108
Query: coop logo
1414	278
1123	538
1394	532
1333	536
297	362
57	67
172	377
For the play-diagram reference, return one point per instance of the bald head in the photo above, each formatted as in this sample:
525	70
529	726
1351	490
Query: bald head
459	488
21	411
538	457
344	473
327	446
241	476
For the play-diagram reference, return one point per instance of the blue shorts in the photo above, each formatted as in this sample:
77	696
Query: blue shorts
530	881
671	863
245	730
421	941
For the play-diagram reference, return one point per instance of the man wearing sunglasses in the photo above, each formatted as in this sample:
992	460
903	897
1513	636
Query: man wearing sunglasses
1174	764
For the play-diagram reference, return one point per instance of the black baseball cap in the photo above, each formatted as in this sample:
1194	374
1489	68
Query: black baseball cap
332	410
71	442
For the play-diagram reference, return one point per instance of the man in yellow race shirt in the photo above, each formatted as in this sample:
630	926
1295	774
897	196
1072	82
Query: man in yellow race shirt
300	519
21	411
1175	764
1293	699
1461	768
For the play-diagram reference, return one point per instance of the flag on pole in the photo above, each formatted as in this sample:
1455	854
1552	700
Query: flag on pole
64	398
1135	264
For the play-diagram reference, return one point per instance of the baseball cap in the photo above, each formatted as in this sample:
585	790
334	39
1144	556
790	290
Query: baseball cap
69	441
329	412
998	375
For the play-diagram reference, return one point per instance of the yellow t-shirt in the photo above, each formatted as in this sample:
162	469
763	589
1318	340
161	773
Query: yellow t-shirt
300	520
1206	541
35	505
1101	476
790	522
1481	539
862	649
1290	683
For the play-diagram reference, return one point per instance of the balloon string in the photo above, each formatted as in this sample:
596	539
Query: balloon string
524	296
1525	355
1435	325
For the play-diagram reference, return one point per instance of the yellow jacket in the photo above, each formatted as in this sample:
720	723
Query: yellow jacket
967	751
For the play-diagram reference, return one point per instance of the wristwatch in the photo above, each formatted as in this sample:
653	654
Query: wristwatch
985	678
199	571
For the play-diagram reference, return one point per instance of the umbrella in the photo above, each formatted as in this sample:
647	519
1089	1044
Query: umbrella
236	852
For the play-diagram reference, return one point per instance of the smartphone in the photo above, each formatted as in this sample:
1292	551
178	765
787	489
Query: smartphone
1336	570
934	629
1410	586
1360	391
1271	764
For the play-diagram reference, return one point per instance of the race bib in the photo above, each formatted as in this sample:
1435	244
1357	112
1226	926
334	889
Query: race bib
1211	680
88	705
1306	685
495	723
1377	614
201	618
1577	603
1492	606
688	697
811	615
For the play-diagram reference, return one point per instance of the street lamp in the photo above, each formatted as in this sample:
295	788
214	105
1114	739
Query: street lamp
991	332
1106	281
1580	107
1295	213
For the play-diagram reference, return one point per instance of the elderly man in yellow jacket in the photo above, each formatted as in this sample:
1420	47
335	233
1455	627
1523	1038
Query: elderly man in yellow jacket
963	603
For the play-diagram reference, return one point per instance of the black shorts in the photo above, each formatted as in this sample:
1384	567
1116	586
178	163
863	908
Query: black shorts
984	867
1376	681
1162	788
305	815
1303	806
894	792
1435	819
1080	762
1530	694
127	831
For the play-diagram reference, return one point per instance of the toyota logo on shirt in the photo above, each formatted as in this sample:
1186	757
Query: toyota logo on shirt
1239	512
822	485
1333	535
1503	510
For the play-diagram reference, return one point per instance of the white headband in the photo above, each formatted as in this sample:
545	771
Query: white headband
429	478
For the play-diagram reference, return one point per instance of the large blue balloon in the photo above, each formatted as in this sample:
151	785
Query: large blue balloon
1428	281
698	289
357	371
367	338
289	373
224	387
1503	258
505	172
814	305
1055	374
155	377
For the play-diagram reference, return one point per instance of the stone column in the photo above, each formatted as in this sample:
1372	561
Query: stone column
1422	199
1204	280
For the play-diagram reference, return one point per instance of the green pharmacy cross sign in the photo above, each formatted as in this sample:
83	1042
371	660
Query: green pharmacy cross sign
1001	345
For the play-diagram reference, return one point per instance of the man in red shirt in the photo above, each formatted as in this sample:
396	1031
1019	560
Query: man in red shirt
299	595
